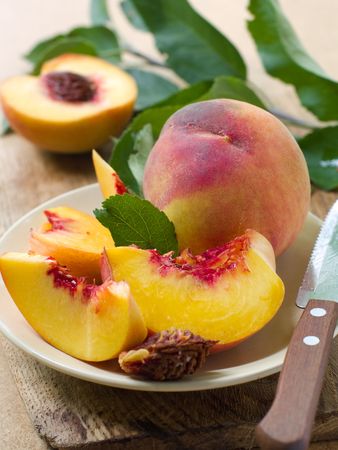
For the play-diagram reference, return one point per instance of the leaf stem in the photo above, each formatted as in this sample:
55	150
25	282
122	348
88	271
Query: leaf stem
149	59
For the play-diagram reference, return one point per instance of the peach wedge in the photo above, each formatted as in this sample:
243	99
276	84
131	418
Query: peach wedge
76	104
75	239
93	323
225	294
109	181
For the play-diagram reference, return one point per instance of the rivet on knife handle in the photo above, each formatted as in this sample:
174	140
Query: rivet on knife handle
289	421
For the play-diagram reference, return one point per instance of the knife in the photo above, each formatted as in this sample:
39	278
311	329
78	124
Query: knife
288	423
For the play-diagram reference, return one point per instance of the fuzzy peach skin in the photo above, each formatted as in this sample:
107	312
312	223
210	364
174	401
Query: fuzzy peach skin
74	238
93	323
67	127
222	166
225	294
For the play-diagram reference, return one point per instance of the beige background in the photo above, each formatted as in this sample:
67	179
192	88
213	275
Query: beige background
23	22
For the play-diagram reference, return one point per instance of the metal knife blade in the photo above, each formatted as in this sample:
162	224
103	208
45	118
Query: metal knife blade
321	277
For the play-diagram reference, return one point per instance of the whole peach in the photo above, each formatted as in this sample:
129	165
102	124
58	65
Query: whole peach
222	166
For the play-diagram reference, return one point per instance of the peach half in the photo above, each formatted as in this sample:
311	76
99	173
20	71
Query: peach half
76	104
109	181
225	294
75	239
89	322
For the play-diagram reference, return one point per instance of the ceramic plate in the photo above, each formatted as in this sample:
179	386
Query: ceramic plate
259	356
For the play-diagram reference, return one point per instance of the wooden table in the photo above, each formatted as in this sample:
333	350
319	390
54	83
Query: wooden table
29	177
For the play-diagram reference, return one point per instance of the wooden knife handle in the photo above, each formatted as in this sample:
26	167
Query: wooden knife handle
288	423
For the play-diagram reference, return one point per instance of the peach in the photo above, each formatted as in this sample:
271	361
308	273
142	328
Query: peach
225	294
77	103
222	166
75	239
109	181
93	323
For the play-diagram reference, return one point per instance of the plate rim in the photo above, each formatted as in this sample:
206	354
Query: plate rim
188	384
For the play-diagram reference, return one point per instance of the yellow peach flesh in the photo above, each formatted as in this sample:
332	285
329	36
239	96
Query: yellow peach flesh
64	126
236	305
76	241
109	181
92	328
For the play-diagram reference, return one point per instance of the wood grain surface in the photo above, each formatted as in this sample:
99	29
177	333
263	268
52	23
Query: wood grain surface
69	413
66	411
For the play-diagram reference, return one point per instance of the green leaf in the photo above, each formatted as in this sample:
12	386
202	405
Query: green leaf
125	146
133	16
320	149
221	87
144	142
99	13
5	127
132	220
187	95
103	39
152	87
97	40
234	88
193	48
285	58
34	55
64	45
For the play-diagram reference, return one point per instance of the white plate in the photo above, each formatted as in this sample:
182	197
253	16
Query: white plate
259	356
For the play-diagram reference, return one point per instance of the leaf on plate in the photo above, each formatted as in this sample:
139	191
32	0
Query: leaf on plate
193	48
226	87
132	220
285	58
99	14
320	149
152	88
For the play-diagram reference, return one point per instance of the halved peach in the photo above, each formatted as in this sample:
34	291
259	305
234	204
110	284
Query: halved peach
75	239
109	181
225	294
93	323
76	104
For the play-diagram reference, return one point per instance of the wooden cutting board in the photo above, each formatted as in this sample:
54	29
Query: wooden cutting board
69	413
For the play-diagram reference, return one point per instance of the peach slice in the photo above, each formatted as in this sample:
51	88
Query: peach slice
76	104
75	239
225	294
109	181
93	323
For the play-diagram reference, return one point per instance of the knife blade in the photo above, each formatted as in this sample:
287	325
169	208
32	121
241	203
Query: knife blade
288	423
321	276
